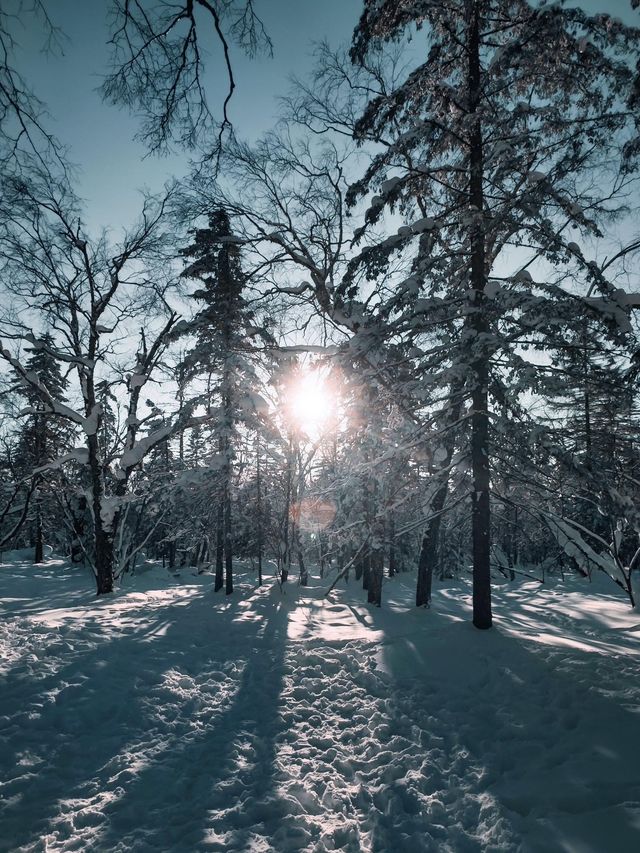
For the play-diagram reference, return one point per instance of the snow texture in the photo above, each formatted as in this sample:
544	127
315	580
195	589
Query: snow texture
135	454
78	454
427	223
164	717
389	185
90	424
251	402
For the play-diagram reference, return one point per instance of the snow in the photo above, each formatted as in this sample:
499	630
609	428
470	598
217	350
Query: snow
627	299
231	238
390	185
78	454
181	328
164	717
41	344
298	290
252	402
427	223
410	285
492	289
135	454
90	423
331	349
110	505
440	454
615	307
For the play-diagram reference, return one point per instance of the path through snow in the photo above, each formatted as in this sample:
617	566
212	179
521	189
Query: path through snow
167	718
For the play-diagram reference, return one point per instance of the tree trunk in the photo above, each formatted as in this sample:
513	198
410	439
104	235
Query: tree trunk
78	508
427	562
38	552
374	593
202	552
104	561
366	569
341	561
228	551
304	575
259	510
219	581
103	536
287	527
228	422
322	557
510	546
480	505
393	558
429	549
376	563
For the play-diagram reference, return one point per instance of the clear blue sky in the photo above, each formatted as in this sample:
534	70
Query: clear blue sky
100	138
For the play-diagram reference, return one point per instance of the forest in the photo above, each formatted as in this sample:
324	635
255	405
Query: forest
346	387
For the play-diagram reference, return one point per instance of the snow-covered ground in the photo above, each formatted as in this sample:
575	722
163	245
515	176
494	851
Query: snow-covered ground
167	718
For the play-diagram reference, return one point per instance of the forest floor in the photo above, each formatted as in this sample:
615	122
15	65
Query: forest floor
168	718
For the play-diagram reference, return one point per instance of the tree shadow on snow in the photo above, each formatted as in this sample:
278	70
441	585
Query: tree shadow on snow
213	788
162	738
503	747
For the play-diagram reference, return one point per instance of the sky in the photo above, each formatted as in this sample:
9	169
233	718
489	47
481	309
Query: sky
100	138
113	167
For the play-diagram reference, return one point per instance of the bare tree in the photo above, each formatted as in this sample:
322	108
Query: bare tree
157	54
24	136
88	293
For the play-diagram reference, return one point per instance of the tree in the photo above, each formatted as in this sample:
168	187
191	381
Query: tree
24	137
158	65
42	438
83	290
221	358
491	139
287	197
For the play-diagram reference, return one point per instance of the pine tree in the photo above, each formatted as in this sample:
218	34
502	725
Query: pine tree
43	438
220	359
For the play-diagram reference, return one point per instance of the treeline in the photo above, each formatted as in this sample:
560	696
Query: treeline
446	233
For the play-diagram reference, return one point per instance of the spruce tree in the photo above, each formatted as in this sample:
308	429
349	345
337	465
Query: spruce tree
221	359
43	437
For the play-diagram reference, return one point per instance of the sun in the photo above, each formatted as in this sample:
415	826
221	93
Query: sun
311	402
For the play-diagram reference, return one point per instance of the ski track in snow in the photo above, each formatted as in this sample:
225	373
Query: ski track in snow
166	718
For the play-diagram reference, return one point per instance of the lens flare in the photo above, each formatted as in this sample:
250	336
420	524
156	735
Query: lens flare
313	514
311	402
